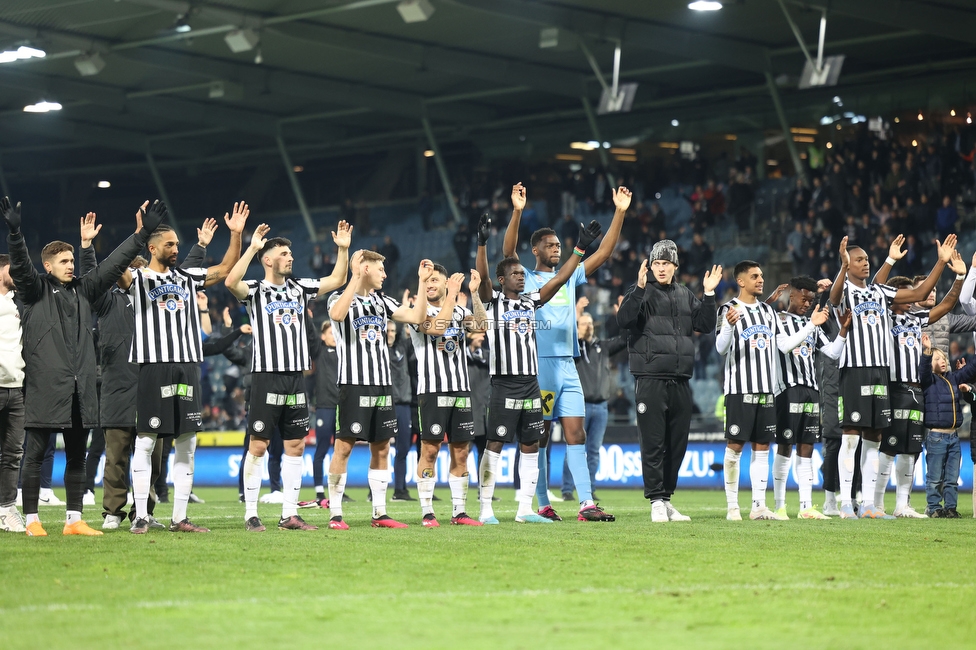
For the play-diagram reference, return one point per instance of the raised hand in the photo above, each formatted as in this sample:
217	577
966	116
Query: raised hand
621	197
956	264
227	321
778	291
11	215
202	301
342	235
926	341
582	303
206	232
406	297
425	270
587	234
356	264
712	278
518	196
259	238
732	315
819	315
236	220
642	275
894	251
88	229
823	285
946	248
154	216
845	257
484	229
964	388
475	282
454	285
141	211
246	329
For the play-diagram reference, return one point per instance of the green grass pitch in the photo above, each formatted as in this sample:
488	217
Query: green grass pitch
629	584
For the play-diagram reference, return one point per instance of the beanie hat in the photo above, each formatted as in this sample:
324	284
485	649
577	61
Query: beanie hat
665	250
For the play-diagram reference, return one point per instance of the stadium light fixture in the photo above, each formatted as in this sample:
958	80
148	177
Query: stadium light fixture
104	185
42	107
242	40
952	112
920	117
914	143
969	118
182	26
415	11
705	5
21	53
830	145
674	122
897	120
89	65
429	153
298	169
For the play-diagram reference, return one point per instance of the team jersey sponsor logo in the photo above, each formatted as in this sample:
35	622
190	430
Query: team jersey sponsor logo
371	328
367	401
523	404
176	390
869	312
286	312
275	399
171	297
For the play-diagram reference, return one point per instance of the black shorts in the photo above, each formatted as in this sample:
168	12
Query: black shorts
366	413
168	401
278	400
907	430
750	418
798	416
441	414
515	410
864	402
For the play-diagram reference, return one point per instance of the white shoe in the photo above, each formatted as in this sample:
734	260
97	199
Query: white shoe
762	514
20	498
832	511
111	522
89	499
659	513
555	498
908	512
733	514
272	497
47	497
673	514
11	521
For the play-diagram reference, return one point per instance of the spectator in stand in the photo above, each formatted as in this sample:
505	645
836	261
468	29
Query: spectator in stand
817	194
799	201
462	245
317	261
828	247
794	246
700	255
946	217
831	217
741	196
865	231
391	252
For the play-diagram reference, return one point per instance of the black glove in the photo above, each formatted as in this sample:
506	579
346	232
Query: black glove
587	234
154	216
483	228
11	215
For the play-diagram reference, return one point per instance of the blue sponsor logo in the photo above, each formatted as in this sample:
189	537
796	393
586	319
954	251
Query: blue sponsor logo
756	330
867	306
518	313
366	321
272	307
168	289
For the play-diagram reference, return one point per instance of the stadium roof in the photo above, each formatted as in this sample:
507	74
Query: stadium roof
332	77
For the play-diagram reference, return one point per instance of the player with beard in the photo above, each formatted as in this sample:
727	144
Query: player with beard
167	345
276	309
864	402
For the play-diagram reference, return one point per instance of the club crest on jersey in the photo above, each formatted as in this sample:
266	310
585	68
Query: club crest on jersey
171	297
450	341
370	327
802	350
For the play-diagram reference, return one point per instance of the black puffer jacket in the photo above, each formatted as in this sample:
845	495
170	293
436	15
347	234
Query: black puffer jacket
661	319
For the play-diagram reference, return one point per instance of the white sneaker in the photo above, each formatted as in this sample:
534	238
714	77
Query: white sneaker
11	521
47	497
908	512
89	499
762	514
733	514
659	513
20	498
272	497
555	498
831	511
111	522
673	514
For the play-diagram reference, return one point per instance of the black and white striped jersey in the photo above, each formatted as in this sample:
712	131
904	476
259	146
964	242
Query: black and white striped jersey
441	363
277	315
364	357
798	366
167	321
867	341
750	363
511	334
906	345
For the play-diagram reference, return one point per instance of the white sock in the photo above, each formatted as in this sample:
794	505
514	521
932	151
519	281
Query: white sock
142	474
884	474
378	480
459	493
291	484
425	492
732	477
487	474
72	516
845	467
528	470
804	480
869	471
337	486
759	477
904	477
830	498
32	518
184	446
252	484
781	470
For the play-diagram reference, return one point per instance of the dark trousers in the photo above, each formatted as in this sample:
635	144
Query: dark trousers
403	439
164	447
325	421
11	442
830	471
75	451
47	465
119	446
664	409
96	447
276	449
